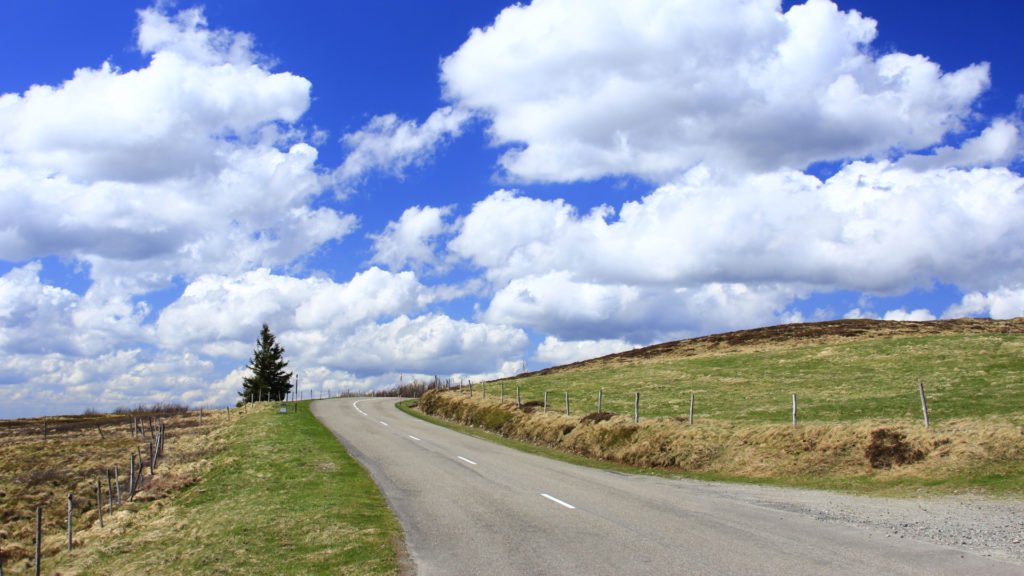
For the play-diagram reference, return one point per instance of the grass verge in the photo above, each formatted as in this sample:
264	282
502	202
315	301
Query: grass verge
282	498
967	456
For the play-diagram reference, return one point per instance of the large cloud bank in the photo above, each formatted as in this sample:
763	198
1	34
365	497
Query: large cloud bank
194	170
195	176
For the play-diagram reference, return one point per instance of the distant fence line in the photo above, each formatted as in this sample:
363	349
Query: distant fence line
467	389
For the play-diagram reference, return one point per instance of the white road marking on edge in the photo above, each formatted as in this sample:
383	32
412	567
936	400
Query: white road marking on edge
557	501
356	406
382	422
467	460
415	438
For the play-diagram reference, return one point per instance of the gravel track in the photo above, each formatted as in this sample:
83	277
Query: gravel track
984	526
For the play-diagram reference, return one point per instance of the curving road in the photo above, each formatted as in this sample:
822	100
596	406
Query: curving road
471	507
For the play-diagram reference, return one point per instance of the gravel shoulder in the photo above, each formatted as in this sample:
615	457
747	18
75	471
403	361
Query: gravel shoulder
987	527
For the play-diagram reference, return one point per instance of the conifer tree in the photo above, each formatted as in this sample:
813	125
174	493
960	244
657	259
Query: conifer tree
268	380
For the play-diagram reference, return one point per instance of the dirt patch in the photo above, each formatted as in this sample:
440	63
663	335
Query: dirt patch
595	417
532	406
889	448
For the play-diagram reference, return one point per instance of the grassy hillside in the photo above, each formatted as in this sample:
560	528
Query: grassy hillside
859	410
841	372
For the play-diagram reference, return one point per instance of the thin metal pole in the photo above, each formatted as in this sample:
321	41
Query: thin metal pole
794	410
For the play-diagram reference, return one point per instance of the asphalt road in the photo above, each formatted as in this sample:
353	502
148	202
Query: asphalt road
471	507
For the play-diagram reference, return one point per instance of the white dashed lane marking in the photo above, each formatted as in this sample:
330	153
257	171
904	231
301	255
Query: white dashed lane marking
557	501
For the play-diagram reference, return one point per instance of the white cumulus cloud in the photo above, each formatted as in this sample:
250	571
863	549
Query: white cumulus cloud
571	309
412	240
432	343
1001	303
555	351
581	89
389	144
183	167
901	315
871	227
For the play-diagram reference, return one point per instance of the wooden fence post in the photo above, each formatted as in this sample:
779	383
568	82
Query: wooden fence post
39	535
131	476
502	392
566	402
152	460
483	391
99	501
794	410
924	403
600	393
636	407
110	494
691	407
545	401
117	483
519	401
70	506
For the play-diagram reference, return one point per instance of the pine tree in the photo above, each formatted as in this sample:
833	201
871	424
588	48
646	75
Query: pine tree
268	380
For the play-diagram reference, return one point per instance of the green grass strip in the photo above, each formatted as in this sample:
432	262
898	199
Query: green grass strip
284	498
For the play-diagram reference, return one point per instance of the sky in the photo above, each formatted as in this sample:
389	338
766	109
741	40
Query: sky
470	188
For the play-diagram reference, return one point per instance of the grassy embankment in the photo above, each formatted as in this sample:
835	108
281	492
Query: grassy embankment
276	494
859	412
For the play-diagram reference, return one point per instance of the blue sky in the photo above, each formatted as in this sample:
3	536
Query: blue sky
462	188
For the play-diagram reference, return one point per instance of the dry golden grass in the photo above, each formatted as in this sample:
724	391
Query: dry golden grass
75	453
872	454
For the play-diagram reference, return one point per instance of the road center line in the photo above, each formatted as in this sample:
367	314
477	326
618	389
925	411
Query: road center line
467	460
356	406
383	422
557	501
414	438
